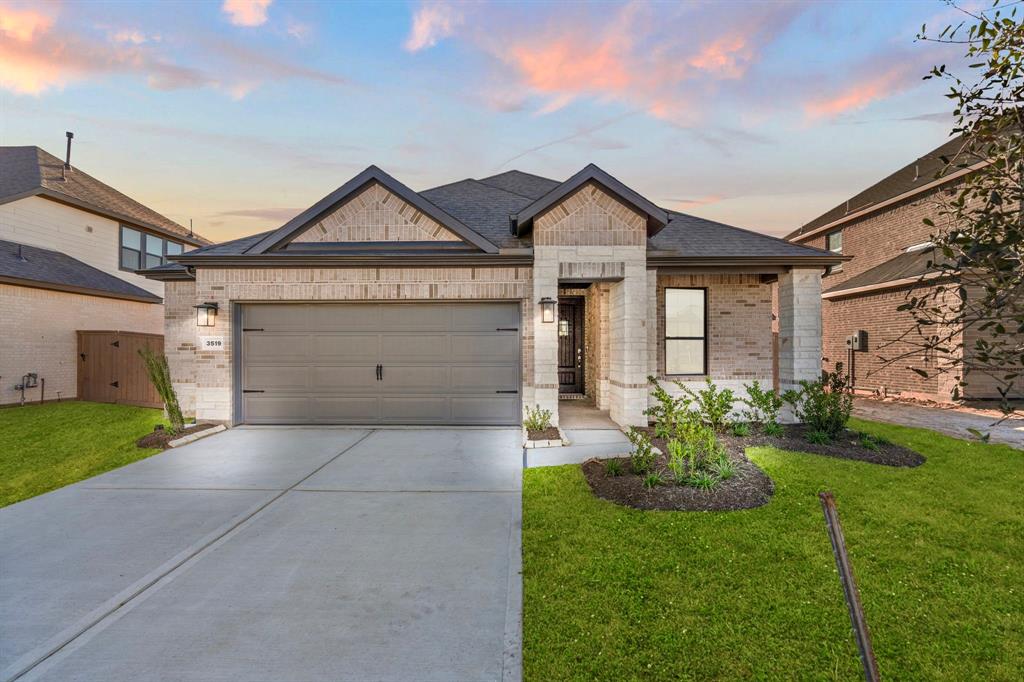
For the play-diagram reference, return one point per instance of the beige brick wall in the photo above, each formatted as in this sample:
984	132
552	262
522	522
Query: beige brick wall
590	217
211	371
376	215
38	335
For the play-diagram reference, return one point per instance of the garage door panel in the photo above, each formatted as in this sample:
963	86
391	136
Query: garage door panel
414	317
351	409
416	378
424	409
277	377
485	410
260	348
484	378
484	317
348	348
469	347
333	379
277	317
345	318
276	409
407	347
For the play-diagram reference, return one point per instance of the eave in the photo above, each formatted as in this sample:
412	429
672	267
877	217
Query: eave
83	291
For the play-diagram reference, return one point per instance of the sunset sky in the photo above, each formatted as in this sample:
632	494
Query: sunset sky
239	114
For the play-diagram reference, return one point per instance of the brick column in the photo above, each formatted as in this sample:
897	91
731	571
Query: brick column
545	334
628	346
799	327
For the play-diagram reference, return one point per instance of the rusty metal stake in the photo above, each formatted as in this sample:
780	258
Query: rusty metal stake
857	619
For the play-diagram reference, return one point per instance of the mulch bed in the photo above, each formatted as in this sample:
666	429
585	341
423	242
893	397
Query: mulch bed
748	488
160	437
550	433
846	446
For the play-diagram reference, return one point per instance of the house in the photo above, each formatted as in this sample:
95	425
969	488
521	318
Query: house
465	303
69	249
882	230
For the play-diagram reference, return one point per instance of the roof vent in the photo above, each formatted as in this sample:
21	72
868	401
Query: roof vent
67	158
21	255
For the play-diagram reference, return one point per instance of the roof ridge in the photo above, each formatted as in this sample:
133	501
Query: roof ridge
745	230
483	184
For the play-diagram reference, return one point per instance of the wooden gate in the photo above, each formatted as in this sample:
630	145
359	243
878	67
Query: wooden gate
110	369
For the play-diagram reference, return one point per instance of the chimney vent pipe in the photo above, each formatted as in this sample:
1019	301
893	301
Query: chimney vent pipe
67	159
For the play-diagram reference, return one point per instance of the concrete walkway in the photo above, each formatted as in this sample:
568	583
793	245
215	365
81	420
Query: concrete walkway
274	554
949	421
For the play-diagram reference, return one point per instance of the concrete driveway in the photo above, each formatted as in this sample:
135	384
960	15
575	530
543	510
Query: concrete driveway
274	554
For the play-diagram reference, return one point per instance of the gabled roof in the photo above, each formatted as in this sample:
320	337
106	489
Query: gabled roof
329	203
524	184
31	171
45	269
915	176
657	217
485	207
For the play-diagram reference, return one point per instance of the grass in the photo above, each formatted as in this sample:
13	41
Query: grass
938	551
43	447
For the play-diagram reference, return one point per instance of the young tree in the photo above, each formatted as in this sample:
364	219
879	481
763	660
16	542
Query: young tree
978	237
160	375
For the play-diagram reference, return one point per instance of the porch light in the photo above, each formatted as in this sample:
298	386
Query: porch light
206	314
547	309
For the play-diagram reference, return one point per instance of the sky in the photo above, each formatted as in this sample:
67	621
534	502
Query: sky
238	114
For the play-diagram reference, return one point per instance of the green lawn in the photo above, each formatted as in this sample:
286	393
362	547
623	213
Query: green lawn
43	447
619	594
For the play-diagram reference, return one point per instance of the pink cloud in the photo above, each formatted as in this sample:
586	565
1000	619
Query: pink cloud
23	25
432	22
877	78
246	12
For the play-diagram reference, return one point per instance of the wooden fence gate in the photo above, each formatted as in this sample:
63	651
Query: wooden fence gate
110	369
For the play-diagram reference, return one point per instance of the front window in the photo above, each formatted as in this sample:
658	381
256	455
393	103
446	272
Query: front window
685	331
834	243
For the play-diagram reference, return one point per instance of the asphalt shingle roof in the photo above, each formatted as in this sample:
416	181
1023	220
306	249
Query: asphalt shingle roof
53	269
483	207
918	173
906	265
688	235
523	184
30	170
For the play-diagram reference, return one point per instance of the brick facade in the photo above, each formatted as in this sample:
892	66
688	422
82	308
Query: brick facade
376	215
39	336
590	217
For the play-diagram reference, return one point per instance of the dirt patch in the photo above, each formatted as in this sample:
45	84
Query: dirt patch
160	437
846	446
550	433
749	487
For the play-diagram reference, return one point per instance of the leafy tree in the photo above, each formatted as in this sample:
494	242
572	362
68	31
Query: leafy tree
978	236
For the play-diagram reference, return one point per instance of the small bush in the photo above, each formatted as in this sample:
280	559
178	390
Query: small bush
669	411
537	419
824	405
764	403
818	437
612	468
642	458
653	479
160	376
704	480
741	429
724	468
869	442
774	429
713	404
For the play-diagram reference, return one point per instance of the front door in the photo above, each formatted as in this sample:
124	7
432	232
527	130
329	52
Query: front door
570	345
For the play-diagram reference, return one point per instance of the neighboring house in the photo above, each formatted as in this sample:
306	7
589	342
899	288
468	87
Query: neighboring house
69	249
464	303
882	229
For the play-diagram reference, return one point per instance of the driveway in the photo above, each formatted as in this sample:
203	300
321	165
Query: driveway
274	554
946	420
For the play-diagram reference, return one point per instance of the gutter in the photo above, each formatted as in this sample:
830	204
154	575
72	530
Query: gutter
881	286
860	213
352	261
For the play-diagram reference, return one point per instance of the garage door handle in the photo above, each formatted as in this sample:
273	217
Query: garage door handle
252	390
507	329
506	391
380	372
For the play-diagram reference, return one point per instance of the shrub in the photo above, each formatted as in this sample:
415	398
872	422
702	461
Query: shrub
869	442
704	480
724	468
824	405
764	404
677	460
653	479
668	412
537	419
160	375
612	468
713	404
818	437
642	458
774	429
741	429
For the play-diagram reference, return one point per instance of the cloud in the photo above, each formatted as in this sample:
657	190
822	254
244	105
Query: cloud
23	25
297	29
584	135
281	215
246	12
699	201
129	35
432	22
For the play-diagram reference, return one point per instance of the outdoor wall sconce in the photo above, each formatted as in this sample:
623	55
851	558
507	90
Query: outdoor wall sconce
206	314
547	309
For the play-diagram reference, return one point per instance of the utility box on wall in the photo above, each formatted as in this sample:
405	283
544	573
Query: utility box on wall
858	340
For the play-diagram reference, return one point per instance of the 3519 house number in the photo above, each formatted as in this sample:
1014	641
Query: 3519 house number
211	343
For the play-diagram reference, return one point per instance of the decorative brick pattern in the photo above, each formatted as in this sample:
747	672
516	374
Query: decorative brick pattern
591	271
377	215
590	217
39	335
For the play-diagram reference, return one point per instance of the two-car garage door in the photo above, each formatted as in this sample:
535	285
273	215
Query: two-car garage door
386	363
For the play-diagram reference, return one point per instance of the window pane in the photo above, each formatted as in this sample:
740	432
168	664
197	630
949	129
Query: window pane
154	245
684	312
684	356
129	259
153	261
173	248
131	239
835	242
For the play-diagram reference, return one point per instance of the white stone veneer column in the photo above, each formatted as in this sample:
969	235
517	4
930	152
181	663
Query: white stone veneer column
799	327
